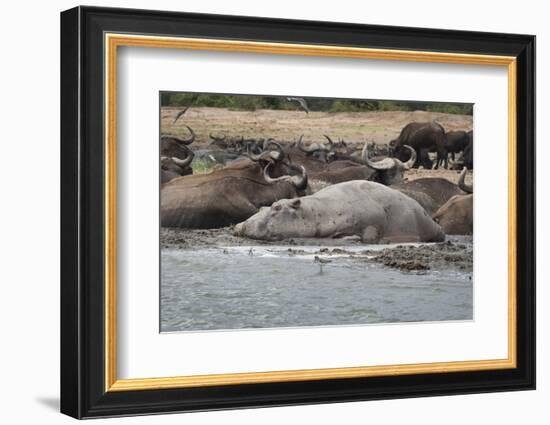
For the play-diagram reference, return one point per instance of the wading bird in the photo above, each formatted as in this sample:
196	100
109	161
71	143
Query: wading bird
321	262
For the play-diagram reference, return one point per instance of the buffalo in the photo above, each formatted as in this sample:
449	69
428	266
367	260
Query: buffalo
423	137
231	194
172	145
456	142
175	156
456	216
319	151
172	167
469	152
234	144
430	192
386	171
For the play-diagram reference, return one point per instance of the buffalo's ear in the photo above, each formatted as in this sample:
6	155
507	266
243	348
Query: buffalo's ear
295	203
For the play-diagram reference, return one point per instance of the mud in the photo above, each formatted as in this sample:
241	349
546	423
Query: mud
456	253
208	238
438	256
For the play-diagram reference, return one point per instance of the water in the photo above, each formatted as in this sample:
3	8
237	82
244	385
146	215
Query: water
227	288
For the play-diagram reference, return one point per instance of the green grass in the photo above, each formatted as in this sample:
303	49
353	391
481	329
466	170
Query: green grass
202	166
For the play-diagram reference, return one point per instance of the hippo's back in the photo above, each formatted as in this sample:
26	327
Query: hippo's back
404	218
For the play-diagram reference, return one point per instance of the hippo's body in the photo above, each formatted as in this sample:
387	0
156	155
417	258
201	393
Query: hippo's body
372	211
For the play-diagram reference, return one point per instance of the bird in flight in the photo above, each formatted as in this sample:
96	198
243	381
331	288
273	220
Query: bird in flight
183	111
180	113
301	101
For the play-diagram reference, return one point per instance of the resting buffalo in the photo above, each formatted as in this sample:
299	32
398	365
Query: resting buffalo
374	212
230	195
430	192
386	171
456	216
319	151
340	149
423	137
224	142
175	156
172	145
172	167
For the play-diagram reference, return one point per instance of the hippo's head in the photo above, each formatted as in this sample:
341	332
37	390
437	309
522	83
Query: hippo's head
284	219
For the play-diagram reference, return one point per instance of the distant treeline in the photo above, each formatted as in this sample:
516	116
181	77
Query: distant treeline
251	103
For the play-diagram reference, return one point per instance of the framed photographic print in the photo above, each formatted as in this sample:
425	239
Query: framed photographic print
261	212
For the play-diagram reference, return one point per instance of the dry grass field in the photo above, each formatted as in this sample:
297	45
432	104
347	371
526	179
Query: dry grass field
359	127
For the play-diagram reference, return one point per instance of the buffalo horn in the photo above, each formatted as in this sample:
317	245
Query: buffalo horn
217	139
266	156
462	184
329	139
272	142
191	138
412	159
299	182
384	164
184	162
313	148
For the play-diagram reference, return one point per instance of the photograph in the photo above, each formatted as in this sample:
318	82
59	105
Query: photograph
298	211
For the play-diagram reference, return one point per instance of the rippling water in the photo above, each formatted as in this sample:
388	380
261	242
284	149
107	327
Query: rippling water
227	288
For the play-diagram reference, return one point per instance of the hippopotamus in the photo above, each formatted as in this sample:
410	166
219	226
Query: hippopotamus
369	210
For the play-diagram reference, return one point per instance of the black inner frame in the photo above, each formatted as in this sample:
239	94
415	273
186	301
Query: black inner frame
82	207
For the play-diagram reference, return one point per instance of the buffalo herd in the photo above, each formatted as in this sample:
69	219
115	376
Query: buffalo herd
272	189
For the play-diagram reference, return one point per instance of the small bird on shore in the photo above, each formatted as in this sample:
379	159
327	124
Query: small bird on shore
319	260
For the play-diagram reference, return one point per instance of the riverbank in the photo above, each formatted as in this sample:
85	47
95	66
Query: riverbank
456	253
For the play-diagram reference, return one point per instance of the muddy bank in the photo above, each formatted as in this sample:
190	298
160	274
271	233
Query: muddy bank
198	238
445	255
456	253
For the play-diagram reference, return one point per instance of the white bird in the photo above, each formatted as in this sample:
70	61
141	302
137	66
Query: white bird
301	101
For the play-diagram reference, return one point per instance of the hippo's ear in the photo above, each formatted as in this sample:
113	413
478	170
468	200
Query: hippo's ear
295	203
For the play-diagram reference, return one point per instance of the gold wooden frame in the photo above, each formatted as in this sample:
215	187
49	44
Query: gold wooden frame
113	41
